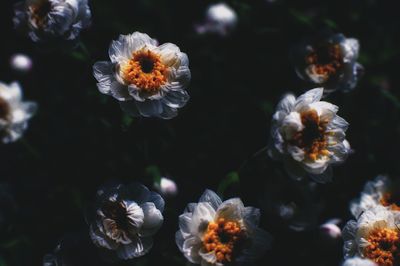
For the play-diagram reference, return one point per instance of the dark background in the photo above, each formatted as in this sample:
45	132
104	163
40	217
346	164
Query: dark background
80	139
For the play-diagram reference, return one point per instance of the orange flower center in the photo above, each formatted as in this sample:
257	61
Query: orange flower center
223	237
325	60
313	138
4	109
383	247
387	201
38	12
146	71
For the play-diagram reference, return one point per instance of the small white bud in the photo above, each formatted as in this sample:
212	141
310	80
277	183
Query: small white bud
167	187
21	63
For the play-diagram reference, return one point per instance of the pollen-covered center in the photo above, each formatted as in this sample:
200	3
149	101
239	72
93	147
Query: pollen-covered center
383	246
313	138
38	11
116	211
325	60
146	71
4	109
223	237
388	200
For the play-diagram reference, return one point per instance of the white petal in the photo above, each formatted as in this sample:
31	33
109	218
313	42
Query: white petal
291	124
153	219
296	153
119	91
286	105
135	214
351	47
149	108
309	97
157	200
191	248
325	110
356	261
212	198
176	99
11	93
135	249
208	257
231	209
202	215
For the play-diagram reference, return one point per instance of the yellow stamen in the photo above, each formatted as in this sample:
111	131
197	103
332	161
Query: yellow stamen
146	71
223	237
383	246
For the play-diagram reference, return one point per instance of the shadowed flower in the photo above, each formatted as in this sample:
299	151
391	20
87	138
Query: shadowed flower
14	113
213	232
46	20
357	261
221	19
330	62
375	236
126	219
379	191
146	79
308	136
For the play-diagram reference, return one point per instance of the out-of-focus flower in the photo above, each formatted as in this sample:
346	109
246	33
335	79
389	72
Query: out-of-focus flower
308	136
46	20
126	219
331	230
167	187
146	79
213	232
330	62
21	63
375	236
379	191
14	113
357	261
220	19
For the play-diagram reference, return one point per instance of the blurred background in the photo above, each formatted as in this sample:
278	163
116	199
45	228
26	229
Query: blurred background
80	139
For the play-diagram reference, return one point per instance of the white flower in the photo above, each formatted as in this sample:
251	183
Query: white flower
330	61
379	191
14	113
167	187
308	136
357	261
220	19
331	229
46	20
146	79
213	232
21	62
375	236
126	218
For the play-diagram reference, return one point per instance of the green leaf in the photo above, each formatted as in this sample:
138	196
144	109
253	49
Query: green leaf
230	179
154	172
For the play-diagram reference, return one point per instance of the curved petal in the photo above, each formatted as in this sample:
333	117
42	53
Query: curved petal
191	248
309	97
212	198
231	209
176	99
202	215
150	108
287	103
153	219
135	249
157	200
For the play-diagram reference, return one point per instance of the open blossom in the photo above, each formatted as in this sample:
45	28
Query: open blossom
308	136
126	218
219	233
220	19
14	113
375	236
330	62
52	19
379	191
357	261
146	79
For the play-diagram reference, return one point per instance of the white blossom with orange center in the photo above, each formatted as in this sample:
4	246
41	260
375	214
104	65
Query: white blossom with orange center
213	232
148	80
329	61
14	113
380	191
308	136
49	20
374	236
